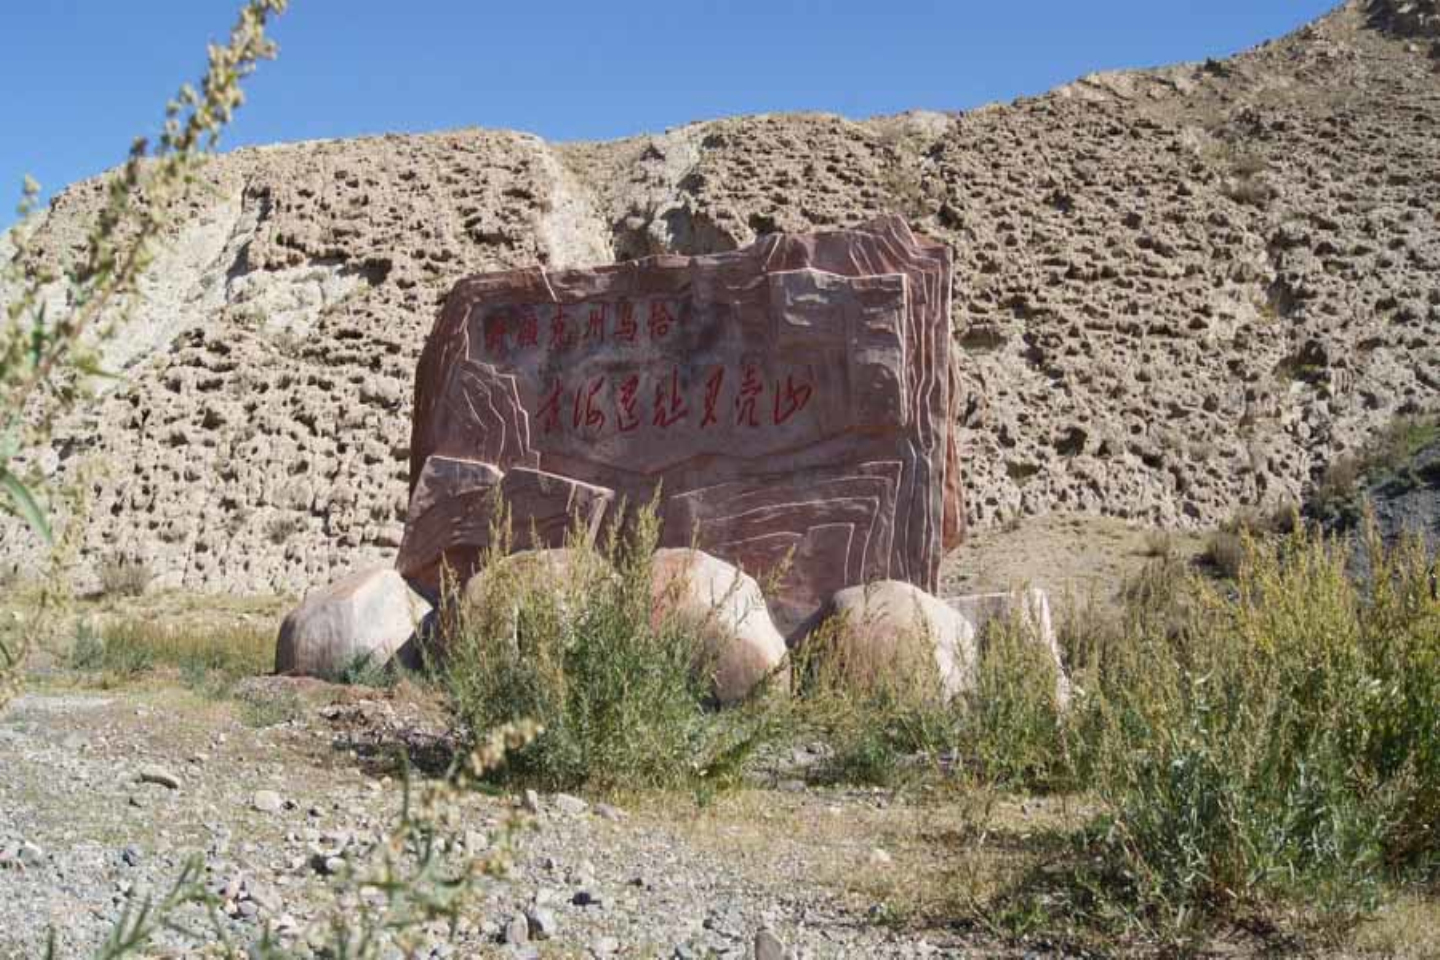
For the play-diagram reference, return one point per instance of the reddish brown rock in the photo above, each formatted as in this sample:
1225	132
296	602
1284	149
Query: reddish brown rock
791	399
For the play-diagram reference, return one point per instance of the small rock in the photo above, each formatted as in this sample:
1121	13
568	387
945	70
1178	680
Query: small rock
159	776
130	856
569	805
517	930
607	812
31	855
531	801
880	858
542	923
587	898
267	801
768	946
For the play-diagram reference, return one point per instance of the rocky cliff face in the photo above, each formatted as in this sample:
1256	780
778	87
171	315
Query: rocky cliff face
1177	292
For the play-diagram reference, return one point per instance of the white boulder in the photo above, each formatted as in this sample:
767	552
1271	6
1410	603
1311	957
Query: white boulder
370	613
742	645
891	631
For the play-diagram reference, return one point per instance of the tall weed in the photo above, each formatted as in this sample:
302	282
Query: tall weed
1271	741
619	692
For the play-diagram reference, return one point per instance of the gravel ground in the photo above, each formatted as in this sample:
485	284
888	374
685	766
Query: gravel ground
104	795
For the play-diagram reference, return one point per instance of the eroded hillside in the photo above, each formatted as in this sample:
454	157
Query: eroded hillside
1177	292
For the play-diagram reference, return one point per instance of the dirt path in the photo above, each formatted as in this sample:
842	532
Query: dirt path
832	873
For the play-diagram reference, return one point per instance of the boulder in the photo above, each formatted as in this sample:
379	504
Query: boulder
789	407
494	595
371	613
742	645
894	632
1032	607
557	569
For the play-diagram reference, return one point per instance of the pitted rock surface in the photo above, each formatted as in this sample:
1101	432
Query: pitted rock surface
789	400
1177	291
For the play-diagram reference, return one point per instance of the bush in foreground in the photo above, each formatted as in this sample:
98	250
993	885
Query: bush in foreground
619	692
1274	744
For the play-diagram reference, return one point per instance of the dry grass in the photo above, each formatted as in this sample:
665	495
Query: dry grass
120	648
921	862
1408	929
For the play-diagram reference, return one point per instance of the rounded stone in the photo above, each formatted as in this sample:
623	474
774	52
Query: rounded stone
370	613
725	606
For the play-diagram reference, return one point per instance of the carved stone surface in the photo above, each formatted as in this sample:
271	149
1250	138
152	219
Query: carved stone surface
793	398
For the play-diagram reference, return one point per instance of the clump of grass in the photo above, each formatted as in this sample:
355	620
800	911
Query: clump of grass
1272	747
1160	544
127	647
1011	729
879	725
1388	455
367	670
264	707
124	577
897	725
1225	548
618	690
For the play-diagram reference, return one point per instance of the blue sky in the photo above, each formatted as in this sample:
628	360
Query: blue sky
83	77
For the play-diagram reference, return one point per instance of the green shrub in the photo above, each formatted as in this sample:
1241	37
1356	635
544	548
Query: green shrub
125	648
618	693
886	729
124	578
1278	742
876	727
1011	727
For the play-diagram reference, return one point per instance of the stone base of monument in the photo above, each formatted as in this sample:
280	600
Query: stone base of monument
369	616
1031	606
889	631
742	646
893	632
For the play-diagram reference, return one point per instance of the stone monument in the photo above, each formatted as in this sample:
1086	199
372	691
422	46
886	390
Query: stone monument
792	399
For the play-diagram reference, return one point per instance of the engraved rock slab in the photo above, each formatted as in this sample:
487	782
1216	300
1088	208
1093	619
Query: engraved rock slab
792	399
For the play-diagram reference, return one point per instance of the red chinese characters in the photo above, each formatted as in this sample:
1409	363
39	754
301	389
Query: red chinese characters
625	325
550	409
626	419
495	333
712	396
560	335
745	401
589	417
670	401
660	320
670	406
792	399
527	331
595	326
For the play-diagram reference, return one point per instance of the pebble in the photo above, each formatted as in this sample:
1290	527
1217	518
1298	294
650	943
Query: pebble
267	801
569	805
160	776
517	930
130	856
768	946
880	858
531	801
542	923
